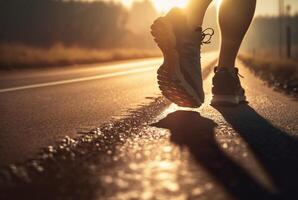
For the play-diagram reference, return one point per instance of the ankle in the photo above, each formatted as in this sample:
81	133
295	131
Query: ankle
226	67
231	70
193	25
194	21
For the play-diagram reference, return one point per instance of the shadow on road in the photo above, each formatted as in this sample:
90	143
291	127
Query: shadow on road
190	129
276	150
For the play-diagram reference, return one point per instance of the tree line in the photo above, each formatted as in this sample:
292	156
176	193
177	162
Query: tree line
97	24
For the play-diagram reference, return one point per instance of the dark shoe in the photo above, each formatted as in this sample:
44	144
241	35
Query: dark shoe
227	89
179	77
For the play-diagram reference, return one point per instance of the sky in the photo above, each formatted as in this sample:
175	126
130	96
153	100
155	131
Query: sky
264	7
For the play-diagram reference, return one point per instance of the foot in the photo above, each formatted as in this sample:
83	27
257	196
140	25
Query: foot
227	89
179	77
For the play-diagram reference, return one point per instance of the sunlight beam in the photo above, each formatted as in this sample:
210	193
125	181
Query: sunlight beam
218	2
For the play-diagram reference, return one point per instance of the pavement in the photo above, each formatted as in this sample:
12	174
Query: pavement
153	151
39	107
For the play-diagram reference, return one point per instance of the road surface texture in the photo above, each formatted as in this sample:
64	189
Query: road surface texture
36	117
158	150
40	106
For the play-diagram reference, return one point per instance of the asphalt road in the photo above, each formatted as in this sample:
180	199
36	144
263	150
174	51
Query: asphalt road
38	107
245	152
166	152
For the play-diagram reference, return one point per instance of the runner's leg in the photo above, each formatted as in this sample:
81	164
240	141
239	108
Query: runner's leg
234	19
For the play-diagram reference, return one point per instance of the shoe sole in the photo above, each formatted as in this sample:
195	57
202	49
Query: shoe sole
179	92
227	100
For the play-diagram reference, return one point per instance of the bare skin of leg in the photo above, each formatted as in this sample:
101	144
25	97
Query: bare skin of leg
235	16
195	12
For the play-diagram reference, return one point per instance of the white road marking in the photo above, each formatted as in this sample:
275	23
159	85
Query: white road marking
140	64
75	80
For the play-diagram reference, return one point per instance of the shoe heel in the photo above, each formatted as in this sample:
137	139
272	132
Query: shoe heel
163	34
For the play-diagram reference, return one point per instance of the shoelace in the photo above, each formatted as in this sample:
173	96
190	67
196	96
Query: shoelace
237	72
240	75
190	50
207	35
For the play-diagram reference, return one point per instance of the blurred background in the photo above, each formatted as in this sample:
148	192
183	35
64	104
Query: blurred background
65	32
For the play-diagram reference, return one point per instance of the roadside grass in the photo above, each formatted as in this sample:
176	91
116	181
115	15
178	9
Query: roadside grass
279	73
17	56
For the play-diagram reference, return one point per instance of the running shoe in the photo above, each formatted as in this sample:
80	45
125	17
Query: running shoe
179	77
227	89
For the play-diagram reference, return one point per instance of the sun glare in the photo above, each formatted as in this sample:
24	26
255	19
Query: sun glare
166	5
218	2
